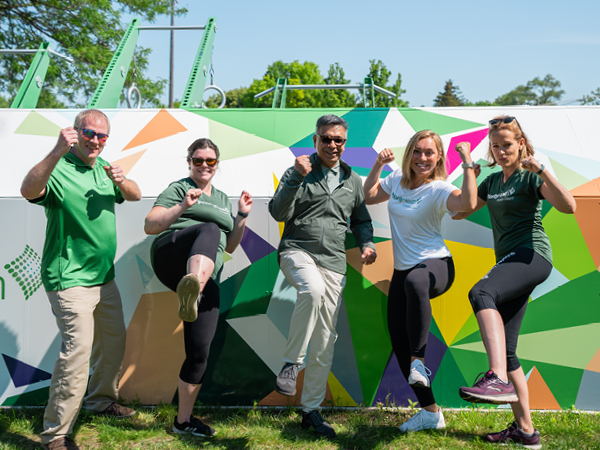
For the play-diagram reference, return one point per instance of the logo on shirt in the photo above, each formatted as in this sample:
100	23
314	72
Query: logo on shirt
411	203
348	189
223	210
502	196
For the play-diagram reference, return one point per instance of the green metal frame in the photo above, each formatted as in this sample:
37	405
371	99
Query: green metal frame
108	92
368	93
31	88
279	94
194	90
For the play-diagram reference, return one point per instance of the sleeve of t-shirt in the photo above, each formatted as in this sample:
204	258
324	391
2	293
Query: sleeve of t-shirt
443	192
54	194
388	182
118	195
482	190
535	183
171	196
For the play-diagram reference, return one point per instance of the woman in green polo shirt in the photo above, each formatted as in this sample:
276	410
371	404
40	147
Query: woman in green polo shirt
524	260
194	225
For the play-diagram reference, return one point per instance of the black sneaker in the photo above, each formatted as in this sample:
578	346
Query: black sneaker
194	426
285	383
314	420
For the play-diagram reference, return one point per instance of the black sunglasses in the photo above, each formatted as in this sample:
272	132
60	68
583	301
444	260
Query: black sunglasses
508	119
327	140
89	134
199	161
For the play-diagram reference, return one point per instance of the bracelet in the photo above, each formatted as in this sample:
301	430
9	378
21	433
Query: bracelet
242	214
541	169
468	165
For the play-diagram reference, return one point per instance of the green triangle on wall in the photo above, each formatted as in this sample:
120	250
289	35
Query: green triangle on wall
441	124
37	125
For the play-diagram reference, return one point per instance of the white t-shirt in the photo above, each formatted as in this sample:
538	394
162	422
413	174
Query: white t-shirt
416	220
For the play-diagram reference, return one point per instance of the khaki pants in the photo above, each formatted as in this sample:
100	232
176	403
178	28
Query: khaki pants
90	322
313	322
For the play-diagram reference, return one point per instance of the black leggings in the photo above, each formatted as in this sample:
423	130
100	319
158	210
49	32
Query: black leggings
506	288
409	312
171	254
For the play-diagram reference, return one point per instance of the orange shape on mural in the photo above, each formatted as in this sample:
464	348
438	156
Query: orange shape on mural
154	339
540	395
594	364
161	126
128	162
588	216
276	399
380	273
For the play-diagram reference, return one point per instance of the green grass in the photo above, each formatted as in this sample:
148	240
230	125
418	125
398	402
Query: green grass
280	429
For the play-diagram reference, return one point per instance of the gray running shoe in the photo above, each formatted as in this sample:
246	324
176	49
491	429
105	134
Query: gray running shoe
188	294
286	380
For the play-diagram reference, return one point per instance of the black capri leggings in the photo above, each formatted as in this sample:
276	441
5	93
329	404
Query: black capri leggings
171	254
409	312
506	288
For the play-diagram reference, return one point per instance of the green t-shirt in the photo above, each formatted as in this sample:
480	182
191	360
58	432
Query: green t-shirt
214	208
516	212
81	234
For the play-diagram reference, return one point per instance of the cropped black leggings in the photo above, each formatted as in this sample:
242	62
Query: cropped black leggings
171	254
409	312
506	288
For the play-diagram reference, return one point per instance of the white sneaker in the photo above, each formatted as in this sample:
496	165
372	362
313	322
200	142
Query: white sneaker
419	374
424	420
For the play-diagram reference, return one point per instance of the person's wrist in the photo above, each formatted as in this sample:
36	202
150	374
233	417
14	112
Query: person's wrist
468	165
242	214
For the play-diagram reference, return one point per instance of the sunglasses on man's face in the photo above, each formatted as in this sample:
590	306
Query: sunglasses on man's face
199	161
89	134
327	140
504	120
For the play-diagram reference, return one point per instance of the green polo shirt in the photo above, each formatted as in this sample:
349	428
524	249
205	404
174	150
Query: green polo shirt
215	208
516	212
81	235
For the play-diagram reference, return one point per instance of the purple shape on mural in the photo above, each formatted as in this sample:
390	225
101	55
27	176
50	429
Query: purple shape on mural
254	246
23	374
354	156
394	389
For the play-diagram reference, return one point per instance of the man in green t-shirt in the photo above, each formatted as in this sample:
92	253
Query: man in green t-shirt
78	191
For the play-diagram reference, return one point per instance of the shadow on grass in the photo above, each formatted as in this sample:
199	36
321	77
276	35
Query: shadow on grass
17	441
238	443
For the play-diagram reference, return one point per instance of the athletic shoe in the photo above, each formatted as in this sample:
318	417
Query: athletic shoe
314	420
195	426
63	443
188	294
118	411
515	435
424	420
488	388
285	383
419	374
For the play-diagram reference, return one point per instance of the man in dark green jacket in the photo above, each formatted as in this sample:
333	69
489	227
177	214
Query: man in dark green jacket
317	198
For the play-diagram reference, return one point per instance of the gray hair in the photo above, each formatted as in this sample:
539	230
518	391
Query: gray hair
331	120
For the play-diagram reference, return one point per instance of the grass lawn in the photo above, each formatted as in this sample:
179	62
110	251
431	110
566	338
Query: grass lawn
257	428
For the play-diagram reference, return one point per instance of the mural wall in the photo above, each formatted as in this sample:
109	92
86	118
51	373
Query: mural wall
559	345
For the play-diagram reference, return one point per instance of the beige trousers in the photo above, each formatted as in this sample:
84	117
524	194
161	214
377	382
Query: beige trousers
312	327
90	322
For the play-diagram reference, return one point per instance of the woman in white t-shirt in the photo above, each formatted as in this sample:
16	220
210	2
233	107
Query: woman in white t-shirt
419	196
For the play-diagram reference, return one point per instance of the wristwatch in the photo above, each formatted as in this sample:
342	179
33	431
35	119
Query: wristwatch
468	165
242	214
541	169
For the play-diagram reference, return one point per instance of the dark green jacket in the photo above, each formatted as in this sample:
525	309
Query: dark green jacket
316	220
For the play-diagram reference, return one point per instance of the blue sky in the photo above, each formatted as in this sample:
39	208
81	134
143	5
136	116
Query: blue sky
486	48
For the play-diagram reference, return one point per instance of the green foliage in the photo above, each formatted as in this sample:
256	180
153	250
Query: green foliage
337	98
592	99
233	98
450	96
536	92
296	73
88	31
381	77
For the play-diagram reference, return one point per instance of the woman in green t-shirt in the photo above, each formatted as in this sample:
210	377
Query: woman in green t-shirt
194	225
524	260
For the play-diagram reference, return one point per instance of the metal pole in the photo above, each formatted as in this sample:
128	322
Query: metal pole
172	57
167	27
327	86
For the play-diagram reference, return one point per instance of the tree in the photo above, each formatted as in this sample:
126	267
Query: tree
535	92
296	73
450	96
381	76
592	99
233	98
338	98
89	32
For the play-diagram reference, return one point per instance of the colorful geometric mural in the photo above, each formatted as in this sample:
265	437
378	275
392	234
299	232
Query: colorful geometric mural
558	347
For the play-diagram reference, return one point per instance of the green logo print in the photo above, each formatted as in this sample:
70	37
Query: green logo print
26	271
